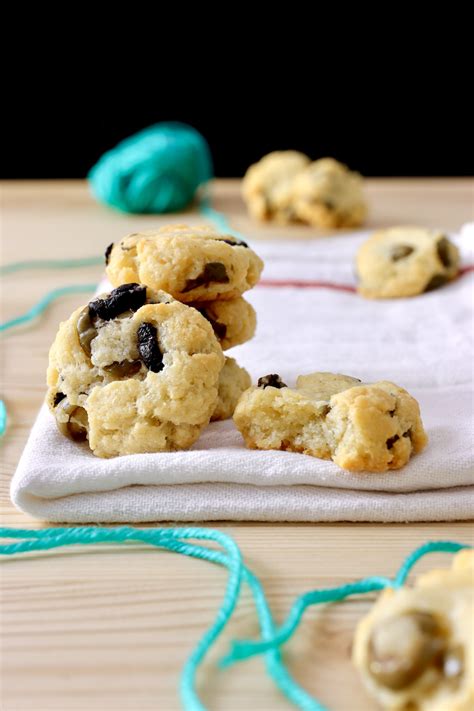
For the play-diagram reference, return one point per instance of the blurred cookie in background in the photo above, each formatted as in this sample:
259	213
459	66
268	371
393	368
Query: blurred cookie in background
405	261
267	185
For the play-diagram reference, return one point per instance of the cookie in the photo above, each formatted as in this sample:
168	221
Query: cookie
233	380
190	263
327	194
134	371
405	261
267	185
234	320
361	427
415	649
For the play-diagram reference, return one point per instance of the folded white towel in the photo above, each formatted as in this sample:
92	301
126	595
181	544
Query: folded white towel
423	344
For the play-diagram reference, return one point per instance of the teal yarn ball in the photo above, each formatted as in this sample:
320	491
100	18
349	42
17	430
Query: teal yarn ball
156	170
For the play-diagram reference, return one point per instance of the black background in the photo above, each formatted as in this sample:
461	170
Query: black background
387	105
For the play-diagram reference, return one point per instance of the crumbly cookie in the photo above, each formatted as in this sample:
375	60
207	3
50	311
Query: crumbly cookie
361	427
233	380
327	194
234	320
267	185
415	649
134	371
190	263
405	261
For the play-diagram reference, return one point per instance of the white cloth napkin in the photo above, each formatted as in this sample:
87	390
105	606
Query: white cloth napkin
422	343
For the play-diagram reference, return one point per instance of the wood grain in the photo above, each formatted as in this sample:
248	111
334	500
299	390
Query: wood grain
110	629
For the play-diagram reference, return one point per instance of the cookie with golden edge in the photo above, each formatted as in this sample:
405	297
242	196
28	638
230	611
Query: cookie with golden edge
362	427
190	263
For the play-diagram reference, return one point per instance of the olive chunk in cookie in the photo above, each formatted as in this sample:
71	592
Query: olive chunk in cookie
405	261
361	427
415	649
134	371
190	263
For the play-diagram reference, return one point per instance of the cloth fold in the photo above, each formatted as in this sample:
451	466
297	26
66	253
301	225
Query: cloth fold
422	343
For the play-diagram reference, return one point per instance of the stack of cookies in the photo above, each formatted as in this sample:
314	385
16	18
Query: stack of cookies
138	369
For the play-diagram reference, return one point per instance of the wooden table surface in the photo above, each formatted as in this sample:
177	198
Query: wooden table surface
111	629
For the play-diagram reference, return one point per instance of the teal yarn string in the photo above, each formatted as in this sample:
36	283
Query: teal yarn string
157	170
245	649
174	539
41	306
14	267
430	547
3	418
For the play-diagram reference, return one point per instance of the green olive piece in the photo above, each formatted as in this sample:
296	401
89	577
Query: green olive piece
404	646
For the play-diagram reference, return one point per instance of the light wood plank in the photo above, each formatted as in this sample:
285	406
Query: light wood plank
111	630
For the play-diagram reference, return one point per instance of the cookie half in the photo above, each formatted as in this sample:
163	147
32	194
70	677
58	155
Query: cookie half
361	427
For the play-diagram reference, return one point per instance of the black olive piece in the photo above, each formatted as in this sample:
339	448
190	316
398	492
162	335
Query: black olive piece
391	441
220	329
124	368
107	253
273	381
442	247
57	399
235	243
401	251
150	353
213	271
127	297
436	281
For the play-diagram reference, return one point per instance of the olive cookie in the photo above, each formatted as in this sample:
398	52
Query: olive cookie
234	320
361	427
267	185
327	194
405	261
190	263
415	649
134	371
233	380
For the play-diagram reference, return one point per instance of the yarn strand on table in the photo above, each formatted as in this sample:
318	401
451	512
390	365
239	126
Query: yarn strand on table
245	649
174	539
